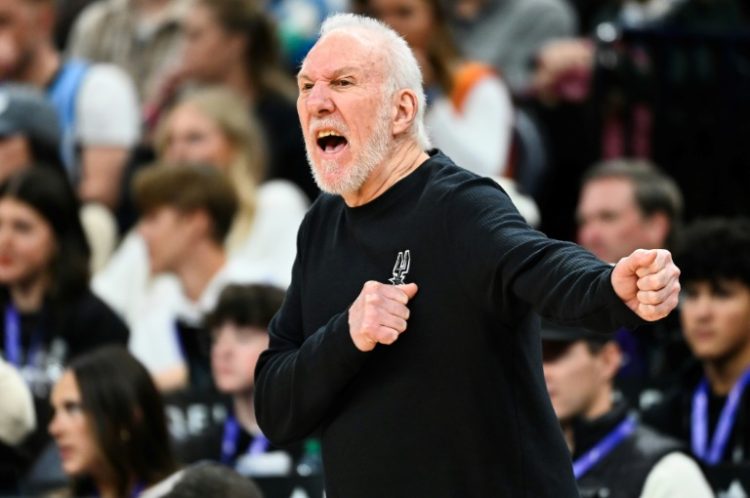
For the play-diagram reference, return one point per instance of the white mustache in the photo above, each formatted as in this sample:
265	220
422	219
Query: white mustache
327	123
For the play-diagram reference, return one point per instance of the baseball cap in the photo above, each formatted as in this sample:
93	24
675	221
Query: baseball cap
551	331
25	111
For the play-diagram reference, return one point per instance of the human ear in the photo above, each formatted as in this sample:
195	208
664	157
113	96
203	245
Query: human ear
407	106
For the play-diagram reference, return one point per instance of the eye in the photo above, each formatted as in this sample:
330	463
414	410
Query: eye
343	83
304	87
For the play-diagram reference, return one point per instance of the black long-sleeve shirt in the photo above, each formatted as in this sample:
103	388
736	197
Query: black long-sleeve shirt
457	407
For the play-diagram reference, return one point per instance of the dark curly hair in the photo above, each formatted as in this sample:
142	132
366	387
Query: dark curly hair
713	250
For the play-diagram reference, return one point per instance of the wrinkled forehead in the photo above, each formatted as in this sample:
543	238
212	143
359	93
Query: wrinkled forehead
351	50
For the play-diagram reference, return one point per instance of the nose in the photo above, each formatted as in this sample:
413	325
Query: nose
701	306
54	427
144	229
587	233
318	100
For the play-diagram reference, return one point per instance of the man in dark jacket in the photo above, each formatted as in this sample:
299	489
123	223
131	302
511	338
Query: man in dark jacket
613	454
455	404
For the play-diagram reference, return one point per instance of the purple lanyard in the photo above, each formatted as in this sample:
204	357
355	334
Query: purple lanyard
699	420
13	338
585	462
258	445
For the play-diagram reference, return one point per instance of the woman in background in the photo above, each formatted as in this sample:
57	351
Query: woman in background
469	113
110	427
49	313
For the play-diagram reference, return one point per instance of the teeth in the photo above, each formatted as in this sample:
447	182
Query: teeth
327	133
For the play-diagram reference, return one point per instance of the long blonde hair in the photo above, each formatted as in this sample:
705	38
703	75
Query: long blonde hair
247	169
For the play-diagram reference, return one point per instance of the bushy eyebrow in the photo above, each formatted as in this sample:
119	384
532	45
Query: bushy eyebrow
336	74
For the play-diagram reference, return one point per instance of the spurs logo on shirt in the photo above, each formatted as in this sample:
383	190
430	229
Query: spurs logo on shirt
401	268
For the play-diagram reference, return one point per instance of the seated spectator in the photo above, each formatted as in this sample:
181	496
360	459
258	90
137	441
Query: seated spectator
613	455
29	134
624	205
627	204
211	126
508	33
233	43
469	114
96	104
109	426
187	212
710	410
239	333
17	420
143	37
50	314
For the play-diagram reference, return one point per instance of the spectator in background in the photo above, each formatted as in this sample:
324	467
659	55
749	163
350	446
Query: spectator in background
613	455
29	134
239	333
234	43
627	204
109	426
187	212
50	314
96	104
508	33
211	126
710	411
143	37
469	113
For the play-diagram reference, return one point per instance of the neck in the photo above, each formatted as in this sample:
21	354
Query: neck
601	404
244	411
723	374
203	264
28	297
407	157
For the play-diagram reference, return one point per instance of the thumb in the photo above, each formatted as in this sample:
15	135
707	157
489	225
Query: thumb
639	260
409	289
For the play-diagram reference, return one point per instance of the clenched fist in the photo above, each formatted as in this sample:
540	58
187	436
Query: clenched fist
379	314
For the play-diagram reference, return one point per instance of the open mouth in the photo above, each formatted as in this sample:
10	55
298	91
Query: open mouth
330	141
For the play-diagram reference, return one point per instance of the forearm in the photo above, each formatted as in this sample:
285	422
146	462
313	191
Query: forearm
296	385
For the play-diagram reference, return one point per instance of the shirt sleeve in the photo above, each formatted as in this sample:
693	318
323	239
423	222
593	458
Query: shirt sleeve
505	262
676	476
107	112
298	379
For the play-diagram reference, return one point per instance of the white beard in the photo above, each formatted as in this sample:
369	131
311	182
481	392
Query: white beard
330	176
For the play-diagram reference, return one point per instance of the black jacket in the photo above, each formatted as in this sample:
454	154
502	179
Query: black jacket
457	407
623	472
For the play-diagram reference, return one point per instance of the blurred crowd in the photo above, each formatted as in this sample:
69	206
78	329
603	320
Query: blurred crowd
153	176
